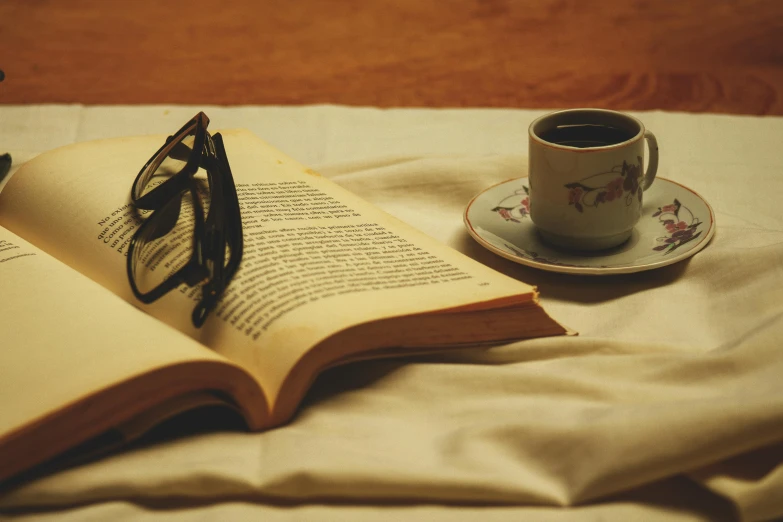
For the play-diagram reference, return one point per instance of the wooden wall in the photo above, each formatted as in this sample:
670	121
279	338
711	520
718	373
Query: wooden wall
687	55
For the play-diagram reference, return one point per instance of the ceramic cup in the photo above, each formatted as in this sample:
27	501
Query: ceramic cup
586	176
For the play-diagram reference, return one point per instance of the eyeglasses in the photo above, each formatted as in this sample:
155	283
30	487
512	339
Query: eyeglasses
187	179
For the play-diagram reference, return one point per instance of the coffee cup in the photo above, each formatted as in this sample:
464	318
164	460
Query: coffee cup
586	175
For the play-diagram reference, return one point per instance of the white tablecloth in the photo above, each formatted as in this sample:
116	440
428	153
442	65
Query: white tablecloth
668	406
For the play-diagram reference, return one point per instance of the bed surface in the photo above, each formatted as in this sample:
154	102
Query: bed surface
668	405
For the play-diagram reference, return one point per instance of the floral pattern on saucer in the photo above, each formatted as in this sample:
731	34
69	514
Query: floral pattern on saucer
680	223
516	206
676	223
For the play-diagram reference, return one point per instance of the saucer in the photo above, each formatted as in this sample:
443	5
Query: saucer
676	223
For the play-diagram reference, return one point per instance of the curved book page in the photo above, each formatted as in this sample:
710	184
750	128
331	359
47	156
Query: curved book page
77	363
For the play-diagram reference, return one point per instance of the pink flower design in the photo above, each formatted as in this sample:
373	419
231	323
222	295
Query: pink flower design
505	213
575	198
526	205
614	189
574	195
674	227
516	206
679	231
632	174
626	183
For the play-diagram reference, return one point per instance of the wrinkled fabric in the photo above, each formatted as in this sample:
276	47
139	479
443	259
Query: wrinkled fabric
667	406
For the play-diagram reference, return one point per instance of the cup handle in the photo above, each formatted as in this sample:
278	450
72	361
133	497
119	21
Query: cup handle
652	165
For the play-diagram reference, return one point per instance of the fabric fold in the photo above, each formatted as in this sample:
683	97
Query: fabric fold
668	405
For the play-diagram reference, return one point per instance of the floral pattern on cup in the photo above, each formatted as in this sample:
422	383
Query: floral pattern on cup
680	224
623	181
515	207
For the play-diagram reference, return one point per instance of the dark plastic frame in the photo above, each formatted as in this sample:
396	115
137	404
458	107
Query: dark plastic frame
222	226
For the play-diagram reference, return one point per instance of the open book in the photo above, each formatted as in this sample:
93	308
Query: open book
326	278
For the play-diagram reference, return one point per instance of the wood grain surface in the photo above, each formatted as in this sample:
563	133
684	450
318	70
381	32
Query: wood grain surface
688	55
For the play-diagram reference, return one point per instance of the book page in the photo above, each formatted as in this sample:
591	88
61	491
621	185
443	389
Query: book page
317	258
64	339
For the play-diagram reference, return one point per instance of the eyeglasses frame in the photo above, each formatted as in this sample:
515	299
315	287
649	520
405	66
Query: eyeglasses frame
222	226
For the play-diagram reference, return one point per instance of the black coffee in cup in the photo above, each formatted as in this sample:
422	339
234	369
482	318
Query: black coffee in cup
584	135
